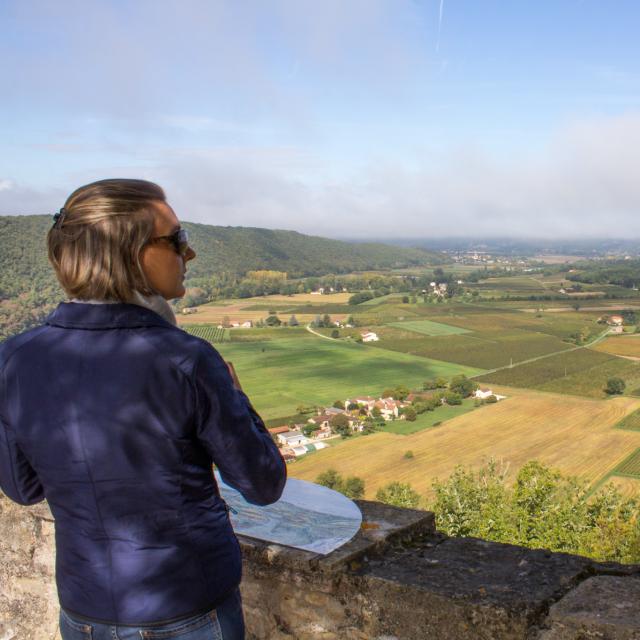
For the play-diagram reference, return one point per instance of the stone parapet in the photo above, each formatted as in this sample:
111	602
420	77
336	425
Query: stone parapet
397	579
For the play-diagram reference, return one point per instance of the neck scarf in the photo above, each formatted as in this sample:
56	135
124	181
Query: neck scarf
154	302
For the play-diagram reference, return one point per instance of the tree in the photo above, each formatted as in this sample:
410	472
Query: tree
405	299
273	321
293	321
615	386
543	509
452	398
353	487
326	320
330	478
340	424
409	414
335	334
408	454
576	306
491	399
309	428
462	385
338	404
398	494
375	412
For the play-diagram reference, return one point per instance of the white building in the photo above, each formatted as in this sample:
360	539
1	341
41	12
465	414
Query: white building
369	336
292	439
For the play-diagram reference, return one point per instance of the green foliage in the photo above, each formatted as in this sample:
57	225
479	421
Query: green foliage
615	386
358	298
399	494
339	404
340	424
335	333
409	414
408	454
462	385
452	398
542	509
397	393
352	487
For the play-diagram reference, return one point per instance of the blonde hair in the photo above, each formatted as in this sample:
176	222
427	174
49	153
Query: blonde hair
95	247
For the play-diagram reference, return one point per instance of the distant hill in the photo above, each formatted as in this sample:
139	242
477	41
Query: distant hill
28	284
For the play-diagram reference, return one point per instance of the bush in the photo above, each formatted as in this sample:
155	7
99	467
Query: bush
615	386
398	494
452	398
352	487
408	454
491	399
409	414
335	333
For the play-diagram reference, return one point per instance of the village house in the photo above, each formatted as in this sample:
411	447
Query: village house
190	310
615	321
388	407
369	336
292	438
366	401
275	431
483	394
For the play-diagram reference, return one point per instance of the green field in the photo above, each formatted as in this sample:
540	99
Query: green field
428	328
208	332
429	418
279	375
630	422
630	466
487	350
580	372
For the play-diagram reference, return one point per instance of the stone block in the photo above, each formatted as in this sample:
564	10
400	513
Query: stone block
602	607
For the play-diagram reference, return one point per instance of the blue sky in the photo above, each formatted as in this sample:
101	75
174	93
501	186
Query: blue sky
347	118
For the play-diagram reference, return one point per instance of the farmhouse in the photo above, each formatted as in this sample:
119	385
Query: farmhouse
274	431
388	408
190	310
366	401
369	336
615	321
292	439
483	394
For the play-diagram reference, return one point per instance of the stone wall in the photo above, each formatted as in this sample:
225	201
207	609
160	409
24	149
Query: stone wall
397	579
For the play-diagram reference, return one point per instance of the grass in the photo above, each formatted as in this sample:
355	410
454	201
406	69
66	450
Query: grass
488	350
572	434
428	327
279	375
630	422
209	332
630	466
429	418
581	372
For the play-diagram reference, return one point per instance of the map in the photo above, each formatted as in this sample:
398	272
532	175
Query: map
307	516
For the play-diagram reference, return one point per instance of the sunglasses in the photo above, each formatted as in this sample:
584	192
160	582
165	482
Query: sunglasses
179	240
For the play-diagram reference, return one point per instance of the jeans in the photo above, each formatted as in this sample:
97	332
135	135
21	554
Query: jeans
225	622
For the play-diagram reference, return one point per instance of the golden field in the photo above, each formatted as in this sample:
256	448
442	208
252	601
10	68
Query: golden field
628	487
627	346
238	311
572	434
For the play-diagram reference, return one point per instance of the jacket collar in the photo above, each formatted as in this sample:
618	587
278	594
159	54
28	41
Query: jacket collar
78	315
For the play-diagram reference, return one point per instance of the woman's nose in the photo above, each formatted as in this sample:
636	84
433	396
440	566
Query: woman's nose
190	255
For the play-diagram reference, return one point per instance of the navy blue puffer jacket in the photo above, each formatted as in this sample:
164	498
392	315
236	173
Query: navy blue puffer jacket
114	415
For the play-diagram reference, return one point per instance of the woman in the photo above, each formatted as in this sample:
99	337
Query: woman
115	416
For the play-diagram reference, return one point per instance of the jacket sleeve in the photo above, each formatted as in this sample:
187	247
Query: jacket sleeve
234	434
18	480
